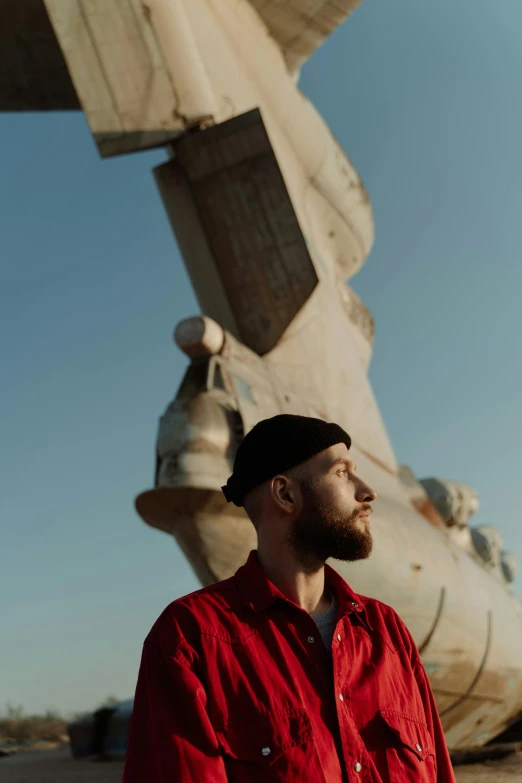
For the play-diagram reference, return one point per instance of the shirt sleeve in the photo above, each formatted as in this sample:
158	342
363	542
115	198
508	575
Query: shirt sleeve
445	772
171	737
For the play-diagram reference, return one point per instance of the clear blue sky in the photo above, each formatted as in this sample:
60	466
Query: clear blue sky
425	97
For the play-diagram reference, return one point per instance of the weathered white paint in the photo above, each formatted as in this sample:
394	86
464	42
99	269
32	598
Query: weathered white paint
195	98
119	72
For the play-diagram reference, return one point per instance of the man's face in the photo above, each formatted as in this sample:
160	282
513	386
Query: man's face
333	520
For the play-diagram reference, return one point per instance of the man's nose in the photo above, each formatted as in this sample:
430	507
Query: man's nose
365	494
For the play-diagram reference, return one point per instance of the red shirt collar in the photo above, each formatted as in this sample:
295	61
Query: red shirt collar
258	592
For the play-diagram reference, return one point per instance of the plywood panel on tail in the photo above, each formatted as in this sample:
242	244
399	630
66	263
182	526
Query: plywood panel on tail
250	225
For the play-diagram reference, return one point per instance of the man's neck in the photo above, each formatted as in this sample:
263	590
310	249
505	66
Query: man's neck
305	587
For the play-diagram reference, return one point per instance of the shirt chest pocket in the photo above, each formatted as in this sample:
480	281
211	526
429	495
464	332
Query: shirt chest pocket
409	753
275	747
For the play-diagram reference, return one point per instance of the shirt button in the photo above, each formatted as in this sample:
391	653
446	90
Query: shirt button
266	751
311	639
357	767
341	697
338	637
354	603
418	747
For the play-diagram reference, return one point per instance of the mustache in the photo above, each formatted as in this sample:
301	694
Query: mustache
365	509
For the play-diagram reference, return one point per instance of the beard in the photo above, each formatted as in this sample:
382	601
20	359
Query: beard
320	531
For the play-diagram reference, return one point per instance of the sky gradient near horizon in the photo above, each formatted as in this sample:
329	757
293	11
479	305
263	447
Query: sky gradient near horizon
425	98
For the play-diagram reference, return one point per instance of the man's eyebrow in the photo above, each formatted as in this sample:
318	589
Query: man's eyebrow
343	461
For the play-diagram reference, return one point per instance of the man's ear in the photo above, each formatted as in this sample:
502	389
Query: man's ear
283	493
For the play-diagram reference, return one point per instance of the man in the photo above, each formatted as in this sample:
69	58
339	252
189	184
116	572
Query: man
282	672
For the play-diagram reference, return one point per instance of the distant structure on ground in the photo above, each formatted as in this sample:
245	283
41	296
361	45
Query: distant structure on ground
104	732
272	221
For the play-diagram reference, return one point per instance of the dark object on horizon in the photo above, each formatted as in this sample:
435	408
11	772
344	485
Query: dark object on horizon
103	733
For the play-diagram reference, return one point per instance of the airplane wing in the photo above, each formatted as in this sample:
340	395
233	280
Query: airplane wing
301	26
124	86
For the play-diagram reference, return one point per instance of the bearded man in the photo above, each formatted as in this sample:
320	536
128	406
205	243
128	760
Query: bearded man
282	672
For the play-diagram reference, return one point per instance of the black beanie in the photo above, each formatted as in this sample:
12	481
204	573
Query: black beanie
276	445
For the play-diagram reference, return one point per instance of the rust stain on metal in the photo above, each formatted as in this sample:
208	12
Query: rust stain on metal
376	460
359	314
429	512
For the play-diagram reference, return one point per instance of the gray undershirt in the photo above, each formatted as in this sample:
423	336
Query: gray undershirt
326	622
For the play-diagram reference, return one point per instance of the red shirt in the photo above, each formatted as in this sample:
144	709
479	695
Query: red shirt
236	686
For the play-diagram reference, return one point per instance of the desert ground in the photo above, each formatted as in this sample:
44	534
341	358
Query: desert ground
58	767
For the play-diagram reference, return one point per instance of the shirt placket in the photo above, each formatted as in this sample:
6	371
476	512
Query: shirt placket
320	664
318	654
354	753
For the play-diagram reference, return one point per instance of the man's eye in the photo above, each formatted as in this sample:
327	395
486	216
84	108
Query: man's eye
343	471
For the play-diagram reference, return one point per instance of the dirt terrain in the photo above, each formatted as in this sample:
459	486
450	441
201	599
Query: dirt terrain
509	770
58	767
